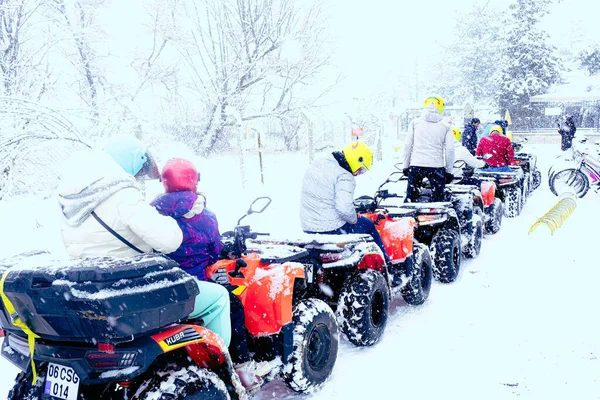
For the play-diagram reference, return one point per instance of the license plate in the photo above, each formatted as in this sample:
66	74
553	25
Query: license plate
61	382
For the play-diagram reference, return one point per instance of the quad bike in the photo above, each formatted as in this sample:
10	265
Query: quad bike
106	328
350	272
493	207
510	188
528	162
468	205
437	227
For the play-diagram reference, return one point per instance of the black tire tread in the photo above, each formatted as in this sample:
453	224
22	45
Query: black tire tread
355	321
444	269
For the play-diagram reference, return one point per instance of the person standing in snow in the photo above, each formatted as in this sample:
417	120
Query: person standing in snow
104	214
327	197
469	136
499	148
429	151
200	248
567	132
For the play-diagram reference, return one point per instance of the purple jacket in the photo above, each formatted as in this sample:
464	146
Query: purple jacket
201	238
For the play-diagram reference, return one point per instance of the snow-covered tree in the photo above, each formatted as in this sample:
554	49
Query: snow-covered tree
529	64
590	59
19	62
247	59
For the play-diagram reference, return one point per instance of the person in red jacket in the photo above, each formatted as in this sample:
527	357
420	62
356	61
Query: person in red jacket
499	148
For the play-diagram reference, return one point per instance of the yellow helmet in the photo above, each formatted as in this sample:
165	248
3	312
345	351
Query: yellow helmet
359	157
438	102
456	133
496	128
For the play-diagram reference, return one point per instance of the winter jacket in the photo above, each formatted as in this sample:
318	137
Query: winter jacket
462	154
469	138
93	181
327	197
499	147
429	142
201	238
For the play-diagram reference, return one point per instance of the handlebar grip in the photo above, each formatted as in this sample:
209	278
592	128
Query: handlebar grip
261	234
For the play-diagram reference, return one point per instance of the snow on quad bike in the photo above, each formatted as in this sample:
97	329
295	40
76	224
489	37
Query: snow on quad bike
350	273
468	205
104	328
510	188
436	226
493	207
528	162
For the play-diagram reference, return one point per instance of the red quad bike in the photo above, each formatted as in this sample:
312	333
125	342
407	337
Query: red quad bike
510	188
105	328
483	194
350	273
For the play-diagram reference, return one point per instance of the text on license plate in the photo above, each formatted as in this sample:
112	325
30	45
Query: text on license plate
61	382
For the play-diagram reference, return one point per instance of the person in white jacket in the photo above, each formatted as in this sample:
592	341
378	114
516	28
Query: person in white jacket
461	153
327	198
429	151
100	199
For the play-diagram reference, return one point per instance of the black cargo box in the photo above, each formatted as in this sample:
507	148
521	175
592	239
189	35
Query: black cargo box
106	300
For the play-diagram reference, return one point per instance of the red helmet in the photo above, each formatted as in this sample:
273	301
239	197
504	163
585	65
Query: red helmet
179	175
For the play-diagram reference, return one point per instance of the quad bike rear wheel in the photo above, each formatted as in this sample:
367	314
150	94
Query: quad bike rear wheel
179	382
512	201
496	212
474	247
363	307
447	255
316	337
416	291
25	389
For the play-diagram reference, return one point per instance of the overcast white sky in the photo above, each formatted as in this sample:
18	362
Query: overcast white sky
378	40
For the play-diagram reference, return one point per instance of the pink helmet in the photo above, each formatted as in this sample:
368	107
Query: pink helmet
179	175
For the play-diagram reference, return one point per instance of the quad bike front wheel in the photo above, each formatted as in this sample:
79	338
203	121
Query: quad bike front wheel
536	179
178	383
495	213
315	349
512	201
447	255
416	291
363	307
474	247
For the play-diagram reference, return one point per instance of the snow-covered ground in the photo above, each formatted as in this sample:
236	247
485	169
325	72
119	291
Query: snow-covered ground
521	320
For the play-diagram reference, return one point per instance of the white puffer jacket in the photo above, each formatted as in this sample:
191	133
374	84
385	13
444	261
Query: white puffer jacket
93	181
429	142
327	200
461	153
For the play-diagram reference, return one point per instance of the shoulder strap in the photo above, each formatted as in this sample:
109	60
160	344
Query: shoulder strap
115	234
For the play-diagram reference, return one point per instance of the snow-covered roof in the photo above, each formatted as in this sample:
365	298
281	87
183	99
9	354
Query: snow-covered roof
580	88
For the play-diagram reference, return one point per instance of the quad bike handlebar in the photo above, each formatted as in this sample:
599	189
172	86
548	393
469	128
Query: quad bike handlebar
234	242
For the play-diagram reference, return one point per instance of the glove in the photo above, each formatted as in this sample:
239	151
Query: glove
220	277
405	171
449	177
485	165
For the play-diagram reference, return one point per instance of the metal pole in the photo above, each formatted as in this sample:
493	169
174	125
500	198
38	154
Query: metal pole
262	178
